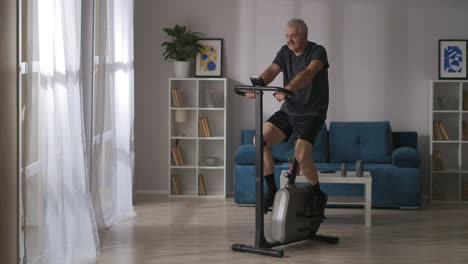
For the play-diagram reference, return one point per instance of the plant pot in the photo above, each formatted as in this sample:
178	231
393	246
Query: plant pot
182	69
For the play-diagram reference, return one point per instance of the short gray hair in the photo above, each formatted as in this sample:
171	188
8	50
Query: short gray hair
299	23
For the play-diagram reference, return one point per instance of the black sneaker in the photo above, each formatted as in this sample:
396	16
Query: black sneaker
317	206
268	199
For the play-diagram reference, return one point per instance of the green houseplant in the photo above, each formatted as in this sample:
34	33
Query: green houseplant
182	48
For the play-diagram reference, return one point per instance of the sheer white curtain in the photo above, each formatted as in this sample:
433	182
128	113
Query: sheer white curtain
113	155
59	218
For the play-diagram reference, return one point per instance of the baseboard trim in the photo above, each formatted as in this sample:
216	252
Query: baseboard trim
409	208
151	192
229	194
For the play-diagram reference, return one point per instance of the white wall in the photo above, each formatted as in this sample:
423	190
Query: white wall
382	55
214	19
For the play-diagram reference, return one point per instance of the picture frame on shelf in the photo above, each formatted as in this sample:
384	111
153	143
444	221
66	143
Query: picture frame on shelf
452	59
208	62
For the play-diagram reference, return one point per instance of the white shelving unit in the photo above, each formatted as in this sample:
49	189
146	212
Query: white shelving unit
201	97
447	104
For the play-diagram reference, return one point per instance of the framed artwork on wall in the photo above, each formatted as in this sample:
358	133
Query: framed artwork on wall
209	60
452	59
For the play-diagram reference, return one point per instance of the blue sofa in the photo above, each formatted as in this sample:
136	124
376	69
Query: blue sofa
391	157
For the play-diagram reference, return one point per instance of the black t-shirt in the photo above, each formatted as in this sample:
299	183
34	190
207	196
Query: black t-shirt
312	100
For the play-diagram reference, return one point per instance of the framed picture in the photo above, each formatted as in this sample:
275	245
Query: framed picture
209	61
452	59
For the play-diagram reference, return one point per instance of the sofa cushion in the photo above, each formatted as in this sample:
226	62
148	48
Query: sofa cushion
391	186
245	155
320	148
367	141
284	150
244	184
405	157
247	136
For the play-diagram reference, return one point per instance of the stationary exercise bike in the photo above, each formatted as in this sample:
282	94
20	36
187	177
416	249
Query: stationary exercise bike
291	218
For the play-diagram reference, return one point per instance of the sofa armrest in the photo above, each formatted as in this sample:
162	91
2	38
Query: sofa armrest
405	157
245	155
247	136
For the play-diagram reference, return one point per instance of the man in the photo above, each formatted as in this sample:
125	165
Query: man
305	72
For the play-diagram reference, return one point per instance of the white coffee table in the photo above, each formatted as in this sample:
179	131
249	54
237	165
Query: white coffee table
336	177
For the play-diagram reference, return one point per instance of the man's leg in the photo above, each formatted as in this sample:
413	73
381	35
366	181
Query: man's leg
271	135
303	154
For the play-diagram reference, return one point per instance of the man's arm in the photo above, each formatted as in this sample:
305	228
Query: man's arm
305	76
268	76
270	73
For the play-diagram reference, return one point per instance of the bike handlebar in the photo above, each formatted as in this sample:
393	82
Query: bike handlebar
240	89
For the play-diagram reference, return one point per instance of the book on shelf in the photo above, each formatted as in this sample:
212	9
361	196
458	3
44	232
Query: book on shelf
207	126
180	156
174	155
176	184
437	163
440	162
201	183
443	131
465	130
465	191
179	96
465	100
437	193
437	135
176	97
204	127
201	127
177	155
175	102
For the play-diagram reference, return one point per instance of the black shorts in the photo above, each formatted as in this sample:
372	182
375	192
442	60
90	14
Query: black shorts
303	127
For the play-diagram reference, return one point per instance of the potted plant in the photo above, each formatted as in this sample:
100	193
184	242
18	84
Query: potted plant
183	47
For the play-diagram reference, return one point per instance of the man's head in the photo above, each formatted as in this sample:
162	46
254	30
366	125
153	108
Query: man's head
296	34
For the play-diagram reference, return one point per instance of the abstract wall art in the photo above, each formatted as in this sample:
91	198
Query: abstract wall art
452	59
209	59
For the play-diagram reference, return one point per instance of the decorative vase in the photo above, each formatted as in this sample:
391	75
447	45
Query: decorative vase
210	98
359	168
182	69
343	170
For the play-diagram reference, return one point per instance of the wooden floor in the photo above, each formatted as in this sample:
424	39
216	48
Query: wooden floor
184	230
